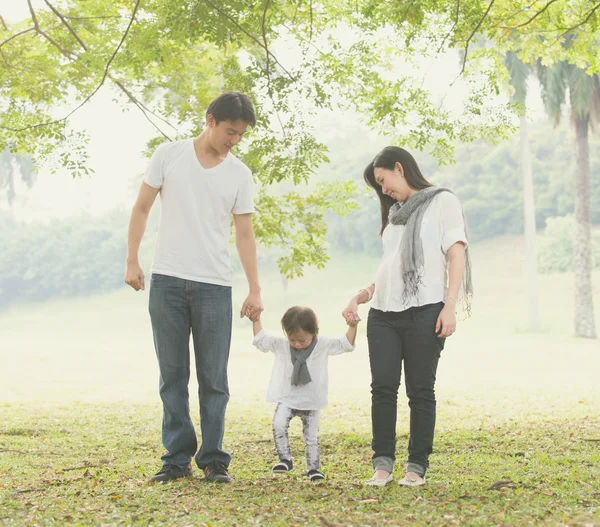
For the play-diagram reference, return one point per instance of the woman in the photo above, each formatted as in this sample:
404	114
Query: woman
425	266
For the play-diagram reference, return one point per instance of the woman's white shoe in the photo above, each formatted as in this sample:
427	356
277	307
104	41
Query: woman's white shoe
379	482
412	479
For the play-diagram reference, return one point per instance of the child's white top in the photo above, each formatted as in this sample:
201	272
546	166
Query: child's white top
311	396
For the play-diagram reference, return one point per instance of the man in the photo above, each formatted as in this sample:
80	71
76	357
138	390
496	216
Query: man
201	184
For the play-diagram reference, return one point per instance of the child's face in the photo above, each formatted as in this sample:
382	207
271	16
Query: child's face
300	339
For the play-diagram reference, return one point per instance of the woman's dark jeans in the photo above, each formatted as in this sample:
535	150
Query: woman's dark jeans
403	337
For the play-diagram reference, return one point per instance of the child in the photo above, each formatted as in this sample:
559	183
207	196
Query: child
299	380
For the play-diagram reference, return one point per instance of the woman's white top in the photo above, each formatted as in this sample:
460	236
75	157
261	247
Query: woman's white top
311	396
442	226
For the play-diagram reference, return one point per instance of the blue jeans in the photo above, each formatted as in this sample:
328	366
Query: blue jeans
177	308
396	338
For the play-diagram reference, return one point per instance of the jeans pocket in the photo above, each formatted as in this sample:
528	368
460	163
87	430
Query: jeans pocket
425	317
158	280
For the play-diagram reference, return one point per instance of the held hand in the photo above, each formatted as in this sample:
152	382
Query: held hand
446	322
134	276
255	317
252	306
350	314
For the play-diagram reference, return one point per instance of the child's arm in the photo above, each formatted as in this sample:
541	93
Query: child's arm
266	342
256	325
351	334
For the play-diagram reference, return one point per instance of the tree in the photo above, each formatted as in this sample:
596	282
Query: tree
519	73
168	58
561	83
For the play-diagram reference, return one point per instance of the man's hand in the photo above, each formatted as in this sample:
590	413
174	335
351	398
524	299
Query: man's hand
134	276
252	306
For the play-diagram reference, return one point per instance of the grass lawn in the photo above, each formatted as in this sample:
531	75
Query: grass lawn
87	464
517	435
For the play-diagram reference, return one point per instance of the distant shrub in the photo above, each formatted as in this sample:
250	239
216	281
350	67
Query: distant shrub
555	253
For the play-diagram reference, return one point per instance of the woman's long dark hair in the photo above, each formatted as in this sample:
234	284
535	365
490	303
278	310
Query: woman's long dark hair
387	159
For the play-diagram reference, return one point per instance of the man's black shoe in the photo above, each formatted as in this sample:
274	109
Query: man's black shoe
171	472
217	472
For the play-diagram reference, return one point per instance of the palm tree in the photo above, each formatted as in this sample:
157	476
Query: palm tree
583	92
519	72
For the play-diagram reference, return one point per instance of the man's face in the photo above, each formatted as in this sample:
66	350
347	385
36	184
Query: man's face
225	135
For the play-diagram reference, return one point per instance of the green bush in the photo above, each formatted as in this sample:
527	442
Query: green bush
555	253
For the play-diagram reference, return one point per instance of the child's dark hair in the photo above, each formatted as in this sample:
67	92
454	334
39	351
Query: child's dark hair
298	317
232	106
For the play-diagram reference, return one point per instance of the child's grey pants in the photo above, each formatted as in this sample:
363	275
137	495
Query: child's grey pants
310	428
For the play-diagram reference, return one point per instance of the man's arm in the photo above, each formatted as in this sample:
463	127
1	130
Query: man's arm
246	247
134	276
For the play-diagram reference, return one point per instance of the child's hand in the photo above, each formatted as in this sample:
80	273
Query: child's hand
353	322
255	317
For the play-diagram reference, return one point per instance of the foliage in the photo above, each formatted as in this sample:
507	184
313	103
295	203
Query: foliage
486	179
168	59
556	247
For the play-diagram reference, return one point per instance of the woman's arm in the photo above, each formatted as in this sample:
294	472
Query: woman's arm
362	297
446	322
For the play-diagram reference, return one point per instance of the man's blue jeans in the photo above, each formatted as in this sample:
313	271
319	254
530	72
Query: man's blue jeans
177	308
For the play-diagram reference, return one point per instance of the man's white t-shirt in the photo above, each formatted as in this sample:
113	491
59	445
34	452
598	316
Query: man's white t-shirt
196	208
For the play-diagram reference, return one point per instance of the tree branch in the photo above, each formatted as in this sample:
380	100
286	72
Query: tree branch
91	17
229	17
3	23
38	30
143	109
453	27
536	15
589	15
70	56
17	35
462	70
264	35
64	21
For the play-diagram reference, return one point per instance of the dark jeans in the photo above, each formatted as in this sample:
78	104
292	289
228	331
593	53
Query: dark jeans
177	308
403	337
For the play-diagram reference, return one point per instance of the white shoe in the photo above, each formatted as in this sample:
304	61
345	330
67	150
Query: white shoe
412	479
378	482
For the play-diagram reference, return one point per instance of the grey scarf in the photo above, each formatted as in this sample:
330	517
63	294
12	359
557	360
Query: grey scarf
410	214
300	375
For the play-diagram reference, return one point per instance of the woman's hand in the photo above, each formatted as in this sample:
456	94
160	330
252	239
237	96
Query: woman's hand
351	313
446	322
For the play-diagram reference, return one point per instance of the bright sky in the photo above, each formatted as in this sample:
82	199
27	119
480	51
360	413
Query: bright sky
118	139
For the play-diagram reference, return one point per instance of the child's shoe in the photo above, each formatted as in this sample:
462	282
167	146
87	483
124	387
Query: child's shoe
285	465
315	475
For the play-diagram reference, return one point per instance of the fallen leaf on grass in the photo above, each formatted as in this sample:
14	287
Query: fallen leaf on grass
502	485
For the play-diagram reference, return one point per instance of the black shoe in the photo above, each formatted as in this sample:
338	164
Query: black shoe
217	472
171	472
315	475
285	465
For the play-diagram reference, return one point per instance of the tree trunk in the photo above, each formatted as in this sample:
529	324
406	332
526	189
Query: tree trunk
533	309
582	243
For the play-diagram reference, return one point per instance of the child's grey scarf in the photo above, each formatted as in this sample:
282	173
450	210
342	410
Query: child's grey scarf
410	214
300	375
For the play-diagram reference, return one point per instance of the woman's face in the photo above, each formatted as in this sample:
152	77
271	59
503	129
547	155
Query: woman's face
393	183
